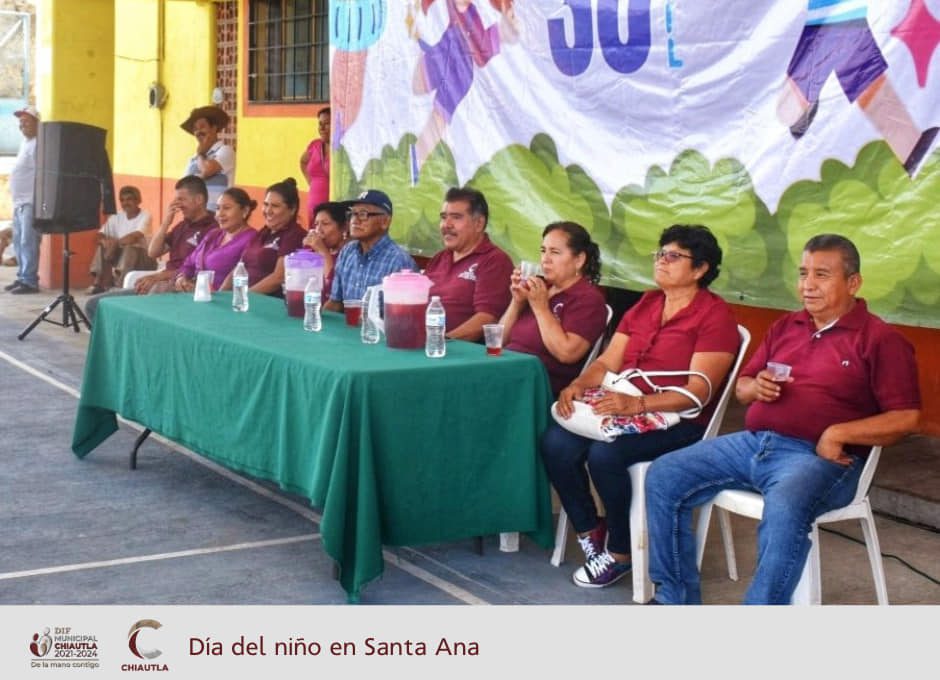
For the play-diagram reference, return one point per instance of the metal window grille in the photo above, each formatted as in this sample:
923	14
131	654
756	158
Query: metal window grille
288	51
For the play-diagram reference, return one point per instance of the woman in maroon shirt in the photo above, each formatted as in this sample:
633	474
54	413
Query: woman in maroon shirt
280	236
560	315
328	233
679	326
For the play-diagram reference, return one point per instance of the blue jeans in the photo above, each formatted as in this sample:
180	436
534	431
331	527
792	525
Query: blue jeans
797	485
26	245
565	455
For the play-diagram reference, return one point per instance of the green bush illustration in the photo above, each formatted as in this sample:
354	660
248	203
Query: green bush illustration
891	218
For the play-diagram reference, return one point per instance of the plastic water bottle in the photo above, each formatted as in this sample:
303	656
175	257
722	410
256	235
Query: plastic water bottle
240	288
369	332
312	300
435	325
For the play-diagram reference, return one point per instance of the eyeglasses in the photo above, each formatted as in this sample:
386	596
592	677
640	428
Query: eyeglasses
670	256
362	215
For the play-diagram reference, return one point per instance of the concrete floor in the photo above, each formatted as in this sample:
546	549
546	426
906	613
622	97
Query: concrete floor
181	531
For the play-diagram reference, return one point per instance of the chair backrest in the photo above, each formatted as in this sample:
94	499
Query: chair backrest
868	474
599	343
722	404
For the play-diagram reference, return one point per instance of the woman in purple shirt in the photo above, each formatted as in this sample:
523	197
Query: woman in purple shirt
222	248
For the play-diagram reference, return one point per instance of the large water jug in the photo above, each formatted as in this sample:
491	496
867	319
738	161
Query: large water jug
299	267
405	296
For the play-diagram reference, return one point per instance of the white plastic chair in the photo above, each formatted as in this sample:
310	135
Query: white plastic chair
639	536
809	589
131	277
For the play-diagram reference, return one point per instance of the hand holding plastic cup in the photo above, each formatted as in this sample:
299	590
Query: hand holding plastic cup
493	335
779	372
353	311
527	270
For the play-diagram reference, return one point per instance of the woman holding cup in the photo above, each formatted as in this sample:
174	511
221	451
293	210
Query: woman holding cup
328	233
558	316
679	326
222	247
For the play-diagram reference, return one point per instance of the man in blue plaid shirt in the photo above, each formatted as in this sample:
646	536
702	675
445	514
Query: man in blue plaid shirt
372	254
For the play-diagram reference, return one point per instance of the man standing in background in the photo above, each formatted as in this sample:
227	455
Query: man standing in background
22	178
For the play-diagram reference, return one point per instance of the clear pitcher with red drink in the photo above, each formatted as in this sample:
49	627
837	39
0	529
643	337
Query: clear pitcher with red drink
405	296
299	267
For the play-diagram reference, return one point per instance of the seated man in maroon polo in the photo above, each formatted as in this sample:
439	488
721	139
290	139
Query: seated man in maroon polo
189	202
471	275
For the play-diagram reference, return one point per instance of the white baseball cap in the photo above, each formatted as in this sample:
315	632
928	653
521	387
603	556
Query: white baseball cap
27	110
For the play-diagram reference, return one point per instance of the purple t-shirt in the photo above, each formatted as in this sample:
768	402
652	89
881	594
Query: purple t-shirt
220	257
581	310
267	247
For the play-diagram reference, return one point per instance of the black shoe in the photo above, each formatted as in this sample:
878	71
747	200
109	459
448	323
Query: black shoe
12	286
799	128
920	150
23	289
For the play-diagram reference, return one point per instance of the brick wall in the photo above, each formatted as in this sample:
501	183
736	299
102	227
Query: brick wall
227	63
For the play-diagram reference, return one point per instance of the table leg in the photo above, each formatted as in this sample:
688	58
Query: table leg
140	440
509	542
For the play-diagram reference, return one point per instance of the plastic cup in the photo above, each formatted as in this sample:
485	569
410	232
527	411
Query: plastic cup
493	335
779	372
529	269
353	311
203	290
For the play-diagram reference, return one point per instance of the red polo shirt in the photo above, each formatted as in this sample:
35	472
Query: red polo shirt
478	282
185	237
857	367
704	325
581	310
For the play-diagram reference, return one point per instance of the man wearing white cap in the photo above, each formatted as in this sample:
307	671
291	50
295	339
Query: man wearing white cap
22	177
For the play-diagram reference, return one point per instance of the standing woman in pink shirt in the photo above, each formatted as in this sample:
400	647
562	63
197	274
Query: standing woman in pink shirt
315	165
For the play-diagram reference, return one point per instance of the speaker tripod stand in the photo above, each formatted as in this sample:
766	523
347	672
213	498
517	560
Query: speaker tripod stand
71	312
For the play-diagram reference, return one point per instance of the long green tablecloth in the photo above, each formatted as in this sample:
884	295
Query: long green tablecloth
393	447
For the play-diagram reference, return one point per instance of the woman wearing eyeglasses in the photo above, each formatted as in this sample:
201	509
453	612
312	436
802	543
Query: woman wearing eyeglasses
679	326
280	236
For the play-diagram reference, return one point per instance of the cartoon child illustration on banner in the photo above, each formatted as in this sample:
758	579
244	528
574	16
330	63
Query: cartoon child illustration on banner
355	25
447	67
837	38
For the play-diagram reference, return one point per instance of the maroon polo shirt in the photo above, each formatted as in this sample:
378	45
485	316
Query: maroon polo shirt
581	310
855	368
704	325
185	237
264	250
478	282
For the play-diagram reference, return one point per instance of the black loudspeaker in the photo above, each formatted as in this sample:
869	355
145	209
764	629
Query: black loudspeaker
73	177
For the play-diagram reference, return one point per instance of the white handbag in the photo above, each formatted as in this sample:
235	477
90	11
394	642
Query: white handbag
585	422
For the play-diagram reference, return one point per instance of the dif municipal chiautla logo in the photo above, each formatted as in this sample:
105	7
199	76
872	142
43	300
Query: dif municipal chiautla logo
63	647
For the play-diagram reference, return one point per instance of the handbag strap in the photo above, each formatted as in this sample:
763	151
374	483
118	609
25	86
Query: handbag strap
646	376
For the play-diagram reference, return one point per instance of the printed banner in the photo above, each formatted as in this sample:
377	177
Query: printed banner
766	121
